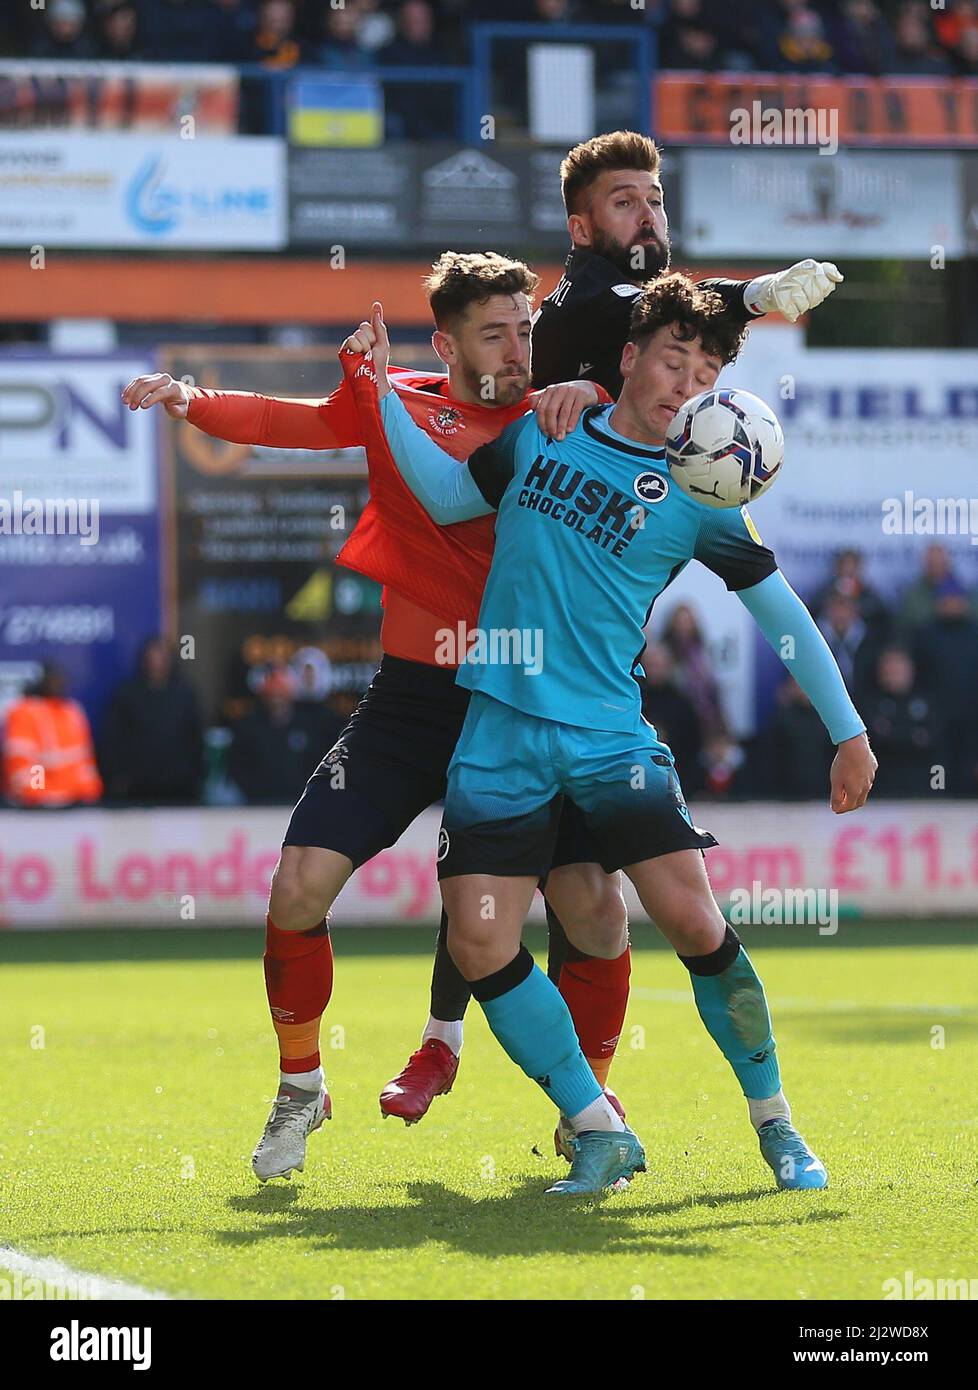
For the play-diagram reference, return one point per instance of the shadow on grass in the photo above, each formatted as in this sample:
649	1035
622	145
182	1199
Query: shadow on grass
523	1222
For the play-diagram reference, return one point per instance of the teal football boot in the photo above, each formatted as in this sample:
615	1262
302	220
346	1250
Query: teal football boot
602	1159
792	1161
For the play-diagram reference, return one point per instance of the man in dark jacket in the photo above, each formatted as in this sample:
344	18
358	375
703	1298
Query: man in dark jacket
274	749
151	748
904	727
946	652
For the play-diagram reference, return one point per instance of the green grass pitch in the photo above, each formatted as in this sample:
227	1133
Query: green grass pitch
125	1138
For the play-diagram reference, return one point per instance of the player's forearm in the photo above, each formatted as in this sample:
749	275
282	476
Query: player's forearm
446	490
734	296
244	417
790	629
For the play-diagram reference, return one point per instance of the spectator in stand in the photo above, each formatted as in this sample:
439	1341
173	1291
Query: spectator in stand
559	12
276	41
416	44
234	30
694	670
919	603
915	53
847	579
848	639
151	747
48	758
312	677
957	19
414	111
797	751
903	727
723	761
966	54
946	653
795	39
376	25
180	31
340	47
673	715
863	40
272	754
117	26
689	37
63	34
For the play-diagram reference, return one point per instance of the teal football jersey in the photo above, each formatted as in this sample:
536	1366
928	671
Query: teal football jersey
590	530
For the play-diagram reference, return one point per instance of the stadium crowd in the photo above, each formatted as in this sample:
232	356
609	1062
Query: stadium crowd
912	668
905	37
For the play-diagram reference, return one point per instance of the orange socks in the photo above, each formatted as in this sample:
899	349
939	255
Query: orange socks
596	992
298	982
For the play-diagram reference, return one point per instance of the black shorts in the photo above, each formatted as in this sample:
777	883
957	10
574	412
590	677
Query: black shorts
390	763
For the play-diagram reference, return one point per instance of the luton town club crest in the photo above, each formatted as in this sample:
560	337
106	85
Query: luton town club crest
447	420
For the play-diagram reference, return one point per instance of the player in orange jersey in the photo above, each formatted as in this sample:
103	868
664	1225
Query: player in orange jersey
390	762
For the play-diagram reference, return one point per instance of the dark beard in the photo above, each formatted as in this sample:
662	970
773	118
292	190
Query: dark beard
510	386
656	257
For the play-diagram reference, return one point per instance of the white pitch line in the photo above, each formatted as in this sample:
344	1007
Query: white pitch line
75	1281
832	1006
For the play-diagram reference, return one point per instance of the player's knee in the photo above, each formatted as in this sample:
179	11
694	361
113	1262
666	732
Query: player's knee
298	900
476	950
598	921
693	927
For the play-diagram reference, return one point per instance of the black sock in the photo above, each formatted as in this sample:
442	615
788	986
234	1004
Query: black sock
559	949
450	992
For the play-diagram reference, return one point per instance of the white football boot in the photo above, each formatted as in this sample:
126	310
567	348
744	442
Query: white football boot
294	1116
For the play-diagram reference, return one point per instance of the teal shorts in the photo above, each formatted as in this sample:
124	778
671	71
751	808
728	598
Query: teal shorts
511	771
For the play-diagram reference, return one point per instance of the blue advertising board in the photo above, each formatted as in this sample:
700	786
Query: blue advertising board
80	549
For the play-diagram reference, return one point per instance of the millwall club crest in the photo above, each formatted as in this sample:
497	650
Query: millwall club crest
447	420
651	487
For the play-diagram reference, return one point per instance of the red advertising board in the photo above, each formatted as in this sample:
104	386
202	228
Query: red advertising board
692	108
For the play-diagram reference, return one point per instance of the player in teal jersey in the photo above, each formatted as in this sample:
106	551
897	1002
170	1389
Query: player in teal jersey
589	532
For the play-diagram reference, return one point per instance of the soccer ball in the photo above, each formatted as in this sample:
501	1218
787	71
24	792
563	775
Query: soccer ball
724	448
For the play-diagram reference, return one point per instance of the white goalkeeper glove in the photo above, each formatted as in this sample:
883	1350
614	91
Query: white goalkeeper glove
794	291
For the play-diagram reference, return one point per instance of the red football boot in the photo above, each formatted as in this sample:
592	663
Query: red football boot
430	1072
563	1134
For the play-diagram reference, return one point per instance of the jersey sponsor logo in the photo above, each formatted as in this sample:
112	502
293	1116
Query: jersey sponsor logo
626	291
366	369
589	506
651	487
447	420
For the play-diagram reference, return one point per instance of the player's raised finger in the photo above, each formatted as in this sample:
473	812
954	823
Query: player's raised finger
377	322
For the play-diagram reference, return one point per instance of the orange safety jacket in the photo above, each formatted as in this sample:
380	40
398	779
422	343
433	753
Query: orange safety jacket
48	759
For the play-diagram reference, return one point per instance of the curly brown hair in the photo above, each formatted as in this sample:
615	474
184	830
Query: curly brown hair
460	278
622	149
697	312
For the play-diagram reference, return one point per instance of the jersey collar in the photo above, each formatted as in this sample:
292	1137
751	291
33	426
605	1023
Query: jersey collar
625	446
